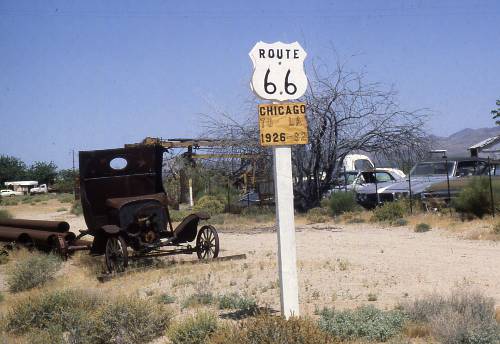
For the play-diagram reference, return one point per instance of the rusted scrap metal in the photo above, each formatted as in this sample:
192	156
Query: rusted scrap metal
125	206
50	226
44	235
183	142
35	236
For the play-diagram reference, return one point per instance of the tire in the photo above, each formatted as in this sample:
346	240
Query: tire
207	243
116	255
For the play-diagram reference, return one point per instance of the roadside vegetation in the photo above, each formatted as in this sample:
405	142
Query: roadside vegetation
34	270
168	304
475	199
391	212
5	214
342	202
77	316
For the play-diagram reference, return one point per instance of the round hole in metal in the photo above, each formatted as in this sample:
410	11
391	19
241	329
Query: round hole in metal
118	163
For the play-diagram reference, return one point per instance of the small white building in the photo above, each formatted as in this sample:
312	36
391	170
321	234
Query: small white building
24	185
486	148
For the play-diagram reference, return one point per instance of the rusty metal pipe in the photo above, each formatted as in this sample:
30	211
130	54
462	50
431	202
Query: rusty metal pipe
38	237
37	225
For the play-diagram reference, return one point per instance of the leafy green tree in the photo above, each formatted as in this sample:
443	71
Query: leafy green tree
65	180
43	172
496	113
11	168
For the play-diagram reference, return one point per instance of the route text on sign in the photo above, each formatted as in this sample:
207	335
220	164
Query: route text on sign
278	71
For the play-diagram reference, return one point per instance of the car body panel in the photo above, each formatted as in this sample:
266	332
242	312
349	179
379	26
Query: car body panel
360	180
420	181
437	195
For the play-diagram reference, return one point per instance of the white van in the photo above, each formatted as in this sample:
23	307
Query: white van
356	162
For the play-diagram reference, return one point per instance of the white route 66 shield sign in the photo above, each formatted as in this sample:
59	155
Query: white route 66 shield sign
278	72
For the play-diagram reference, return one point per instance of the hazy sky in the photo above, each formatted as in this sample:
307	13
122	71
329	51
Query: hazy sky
97	74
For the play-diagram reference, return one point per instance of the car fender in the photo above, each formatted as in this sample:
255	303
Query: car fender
111	229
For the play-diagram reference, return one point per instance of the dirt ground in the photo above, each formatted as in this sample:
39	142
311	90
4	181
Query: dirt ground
339	265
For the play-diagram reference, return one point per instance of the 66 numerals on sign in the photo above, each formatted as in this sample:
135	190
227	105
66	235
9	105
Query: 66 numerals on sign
270	87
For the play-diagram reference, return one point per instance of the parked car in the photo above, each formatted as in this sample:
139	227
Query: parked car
437	195
423	175
10	193
41	189
357	180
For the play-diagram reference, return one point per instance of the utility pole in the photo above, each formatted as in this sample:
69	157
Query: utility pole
74	174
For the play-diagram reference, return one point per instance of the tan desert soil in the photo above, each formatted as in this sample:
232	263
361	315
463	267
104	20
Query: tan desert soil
338	265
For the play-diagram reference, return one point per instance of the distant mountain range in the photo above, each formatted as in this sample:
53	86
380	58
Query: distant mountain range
457	143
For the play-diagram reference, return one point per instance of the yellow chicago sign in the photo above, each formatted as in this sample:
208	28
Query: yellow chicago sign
283	124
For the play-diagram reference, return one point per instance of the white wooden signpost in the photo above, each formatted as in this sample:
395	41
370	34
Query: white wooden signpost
278	76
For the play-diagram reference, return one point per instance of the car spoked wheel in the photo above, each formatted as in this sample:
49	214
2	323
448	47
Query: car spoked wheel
207	243
116	254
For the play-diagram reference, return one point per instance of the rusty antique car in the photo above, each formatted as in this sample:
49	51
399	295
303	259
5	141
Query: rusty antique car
125	206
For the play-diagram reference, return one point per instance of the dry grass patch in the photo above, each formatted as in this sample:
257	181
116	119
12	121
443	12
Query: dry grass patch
32	271
318	215
462	317
81	316
416	330
194	330
5	214
267	329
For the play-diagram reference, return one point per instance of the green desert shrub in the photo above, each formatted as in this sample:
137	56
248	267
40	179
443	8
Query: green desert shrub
199	298
317	215
390	212
400	222
355	220
243	304
178	215
130	320
474	198
268	329
166	299
209	204
5	214
422	227
65	198
51	312
86	317
9	202
194	330
367	322
463	317
342	202
32	271
259	214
